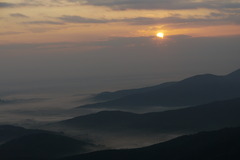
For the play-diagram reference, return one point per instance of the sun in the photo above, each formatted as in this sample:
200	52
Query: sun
160	35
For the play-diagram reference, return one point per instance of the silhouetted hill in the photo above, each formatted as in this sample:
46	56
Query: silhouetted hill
198	89
210	116
215	145
118	94
41	146
235	74
8	132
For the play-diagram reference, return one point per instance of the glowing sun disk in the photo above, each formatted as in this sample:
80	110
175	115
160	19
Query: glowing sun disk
160	35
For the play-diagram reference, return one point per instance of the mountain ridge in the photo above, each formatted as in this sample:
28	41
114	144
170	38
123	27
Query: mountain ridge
215	145
20	143
194	90
209	116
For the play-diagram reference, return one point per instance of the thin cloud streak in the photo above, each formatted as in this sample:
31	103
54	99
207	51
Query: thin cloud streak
44	22
79	19
213	18
25	4
18	15
10	33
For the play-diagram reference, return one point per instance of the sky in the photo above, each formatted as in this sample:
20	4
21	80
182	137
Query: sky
111	44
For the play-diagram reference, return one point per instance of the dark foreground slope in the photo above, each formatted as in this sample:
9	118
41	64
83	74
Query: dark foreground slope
216	145
42	146
210	116
198	89
9	132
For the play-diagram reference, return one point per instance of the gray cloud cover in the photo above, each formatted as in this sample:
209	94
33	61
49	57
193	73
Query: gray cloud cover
212	19
171	19
162	4
139	4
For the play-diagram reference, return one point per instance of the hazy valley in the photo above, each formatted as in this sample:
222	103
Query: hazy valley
113	124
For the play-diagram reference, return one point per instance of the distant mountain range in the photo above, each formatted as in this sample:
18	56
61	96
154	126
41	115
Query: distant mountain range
210	116
195	90
104	96
215	145
202	114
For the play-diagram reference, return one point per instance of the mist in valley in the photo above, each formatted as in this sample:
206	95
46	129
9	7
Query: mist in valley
129	79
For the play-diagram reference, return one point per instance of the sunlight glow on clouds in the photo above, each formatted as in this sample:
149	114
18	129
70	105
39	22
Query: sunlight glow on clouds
86	20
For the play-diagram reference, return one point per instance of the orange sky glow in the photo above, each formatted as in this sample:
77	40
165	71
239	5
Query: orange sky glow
78	21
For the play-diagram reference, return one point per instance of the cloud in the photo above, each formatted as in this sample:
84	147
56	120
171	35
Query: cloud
24	4
6	5
212	19
168	20
234	18
18	15
10	33
79	19
162	4
134	21
44	22
174	20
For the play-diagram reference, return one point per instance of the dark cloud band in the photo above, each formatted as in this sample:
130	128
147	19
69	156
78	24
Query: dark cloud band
161	4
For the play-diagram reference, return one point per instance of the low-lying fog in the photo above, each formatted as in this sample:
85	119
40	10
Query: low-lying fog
28	105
